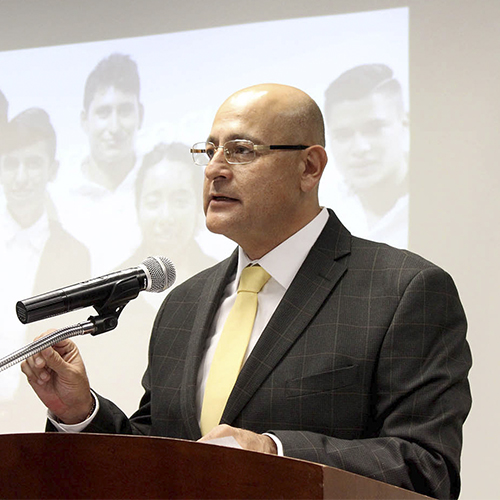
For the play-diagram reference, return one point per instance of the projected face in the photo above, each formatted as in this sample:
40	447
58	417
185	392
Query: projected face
111	124
168	207
369	140
24	174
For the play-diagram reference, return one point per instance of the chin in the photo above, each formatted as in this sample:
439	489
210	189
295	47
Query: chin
215	228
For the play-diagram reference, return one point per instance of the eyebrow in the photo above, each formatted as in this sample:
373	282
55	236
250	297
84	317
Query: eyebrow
233	137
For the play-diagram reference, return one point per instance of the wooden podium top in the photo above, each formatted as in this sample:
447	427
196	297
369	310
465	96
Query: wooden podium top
52	465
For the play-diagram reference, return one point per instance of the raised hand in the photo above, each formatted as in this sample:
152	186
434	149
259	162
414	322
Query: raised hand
58	377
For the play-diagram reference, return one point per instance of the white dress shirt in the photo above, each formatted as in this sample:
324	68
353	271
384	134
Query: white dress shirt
104	221
20	253
282	263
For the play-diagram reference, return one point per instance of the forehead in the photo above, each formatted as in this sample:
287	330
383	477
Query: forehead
39	149
168	176
252	123
112	95
360	111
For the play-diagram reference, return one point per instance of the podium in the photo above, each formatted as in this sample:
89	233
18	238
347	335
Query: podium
51	465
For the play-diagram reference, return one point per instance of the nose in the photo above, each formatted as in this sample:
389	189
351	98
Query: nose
217	166
21	174
113	121
360	144
165	213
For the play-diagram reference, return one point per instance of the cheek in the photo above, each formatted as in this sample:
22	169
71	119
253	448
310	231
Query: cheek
341	154
275	193
130	125
206	188
96	127
147	220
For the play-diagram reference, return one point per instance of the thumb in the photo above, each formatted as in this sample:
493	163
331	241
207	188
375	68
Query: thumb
53	359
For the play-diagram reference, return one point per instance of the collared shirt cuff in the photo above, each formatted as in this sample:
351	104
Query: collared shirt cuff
74	428
279	444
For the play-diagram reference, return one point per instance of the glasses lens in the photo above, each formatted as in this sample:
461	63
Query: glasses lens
239	151
202	152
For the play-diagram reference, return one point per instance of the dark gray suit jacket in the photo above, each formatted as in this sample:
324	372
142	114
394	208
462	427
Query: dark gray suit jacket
363	366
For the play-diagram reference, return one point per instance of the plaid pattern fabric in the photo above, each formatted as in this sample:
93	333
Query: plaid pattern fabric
362	367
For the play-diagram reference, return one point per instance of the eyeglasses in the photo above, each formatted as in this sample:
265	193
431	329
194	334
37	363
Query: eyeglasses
236	152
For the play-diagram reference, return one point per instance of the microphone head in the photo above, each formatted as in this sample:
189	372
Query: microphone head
160	272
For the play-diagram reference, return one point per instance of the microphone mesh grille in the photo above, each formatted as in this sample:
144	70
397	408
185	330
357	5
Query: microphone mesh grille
162	273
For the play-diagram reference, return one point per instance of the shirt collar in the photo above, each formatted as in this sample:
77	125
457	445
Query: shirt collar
284	261
35	236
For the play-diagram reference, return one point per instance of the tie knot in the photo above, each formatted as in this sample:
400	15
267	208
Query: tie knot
252	279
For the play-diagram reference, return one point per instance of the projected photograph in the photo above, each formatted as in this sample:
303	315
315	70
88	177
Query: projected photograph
96	173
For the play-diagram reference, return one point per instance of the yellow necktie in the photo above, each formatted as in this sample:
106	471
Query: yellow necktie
230	350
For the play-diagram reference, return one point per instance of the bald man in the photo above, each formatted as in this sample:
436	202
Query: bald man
357	358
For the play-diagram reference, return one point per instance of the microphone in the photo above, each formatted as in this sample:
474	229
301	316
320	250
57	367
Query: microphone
108	292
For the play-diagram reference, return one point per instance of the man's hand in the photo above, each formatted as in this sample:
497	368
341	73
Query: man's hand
57	375
246	439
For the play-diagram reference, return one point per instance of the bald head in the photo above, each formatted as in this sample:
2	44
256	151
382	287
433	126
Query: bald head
261	203
287	112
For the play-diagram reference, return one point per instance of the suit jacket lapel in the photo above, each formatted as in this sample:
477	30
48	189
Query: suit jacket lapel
210	298
314	282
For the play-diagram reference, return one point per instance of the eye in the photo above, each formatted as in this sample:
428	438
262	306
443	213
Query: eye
126	110
34	164
239	149
374	127
10	164
342	134
103	112
242	150
182	200
210	151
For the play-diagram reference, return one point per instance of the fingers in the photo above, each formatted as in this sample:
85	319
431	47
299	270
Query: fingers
36	368
39	367
58	377
246	439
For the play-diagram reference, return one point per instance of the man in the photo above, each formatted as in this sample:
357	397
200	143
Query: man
369	139
28	165
4	108
169	209
38	254
111	118
357	358
98	199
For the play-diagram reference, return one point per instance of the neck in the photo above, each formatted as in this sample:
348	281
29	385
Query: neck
109	175
380	199
257	247
26	217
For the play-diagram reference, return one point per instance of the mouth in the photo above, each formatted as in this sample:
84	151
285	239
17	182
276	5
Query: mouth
220	201
21	195
222	198
363	165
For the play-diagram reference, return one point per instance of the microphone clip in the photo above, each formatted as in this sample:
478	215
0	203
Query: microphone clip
122	293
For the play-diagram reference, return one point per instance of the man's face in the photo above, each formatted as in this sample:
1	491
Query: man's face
168	208
111	124
24	174
369	140
258	202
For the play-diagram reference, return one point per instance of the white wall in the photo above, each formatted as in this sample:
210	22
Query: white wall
455	124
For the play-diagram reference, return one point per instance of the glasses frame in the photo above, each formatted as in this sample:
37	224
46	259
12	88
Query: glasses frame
256	147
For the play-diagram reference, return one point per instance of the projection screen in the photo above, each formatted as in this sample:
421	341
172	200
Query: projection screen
111	222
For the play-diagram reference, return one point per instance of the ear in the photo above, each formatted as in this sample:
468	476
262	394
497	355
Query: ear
406	132
141	115
315	160
83	120
54	168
